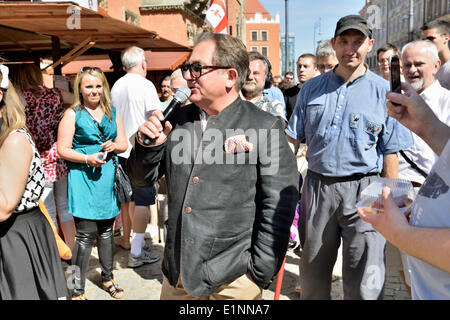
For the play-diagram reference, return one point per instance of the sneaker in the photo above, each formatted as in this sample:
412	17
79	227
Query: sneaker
145	257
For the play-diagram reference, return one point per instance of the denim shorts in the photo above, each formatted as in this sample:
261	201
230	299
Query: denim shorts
141	196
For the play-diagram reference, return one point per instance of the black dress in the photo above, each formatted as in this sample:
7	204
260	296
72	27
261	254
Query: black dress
30	266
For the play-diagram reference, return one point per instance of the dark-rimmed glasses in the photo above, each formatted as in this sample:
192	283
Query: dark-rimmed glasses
196	69
89	69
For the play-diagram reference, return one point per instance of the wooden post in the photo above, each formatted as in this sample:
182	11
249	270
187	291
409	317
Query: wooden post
56	53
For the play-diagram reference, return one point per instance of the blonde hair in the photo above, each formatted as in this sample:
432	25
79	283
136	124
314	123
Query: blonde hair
12	110
105	101
26	77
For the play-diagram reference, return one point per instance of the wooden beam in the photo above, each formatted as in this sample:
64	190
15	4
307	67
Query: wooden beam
17	42
42	17
79	53
68	57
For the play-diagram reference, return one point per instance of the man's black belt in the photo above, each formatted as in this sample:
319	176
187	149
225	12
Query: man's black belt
356	176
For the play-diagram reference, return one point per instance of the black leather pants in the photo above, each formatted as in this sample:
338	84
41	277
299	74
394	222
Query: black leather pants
87	231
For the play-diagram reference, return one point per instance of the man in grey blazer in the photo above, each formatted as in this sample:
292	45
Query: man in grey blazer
231	176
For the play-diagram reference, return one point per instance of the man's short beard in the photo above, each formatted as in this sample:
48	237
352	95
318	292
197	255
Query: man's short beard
250	93
416	85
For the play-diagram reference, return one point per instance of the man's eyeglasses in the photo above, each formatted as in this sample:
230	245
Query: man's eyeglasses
383	61
196	69
89	69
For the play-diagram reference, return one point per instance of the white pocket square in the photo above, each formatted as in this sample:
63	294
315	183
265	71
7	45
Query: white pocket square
237	144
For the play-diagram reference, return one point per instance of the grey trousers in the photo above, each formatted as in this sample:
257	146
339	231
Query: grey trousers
328	213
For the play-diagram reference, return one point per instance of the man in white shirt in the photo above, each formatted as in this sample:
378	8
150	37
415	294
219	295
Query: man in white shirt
135	98
420	65
439	33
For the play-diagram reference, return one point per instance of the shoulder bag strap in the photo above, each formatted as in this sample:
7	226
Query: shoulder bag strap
413	165
101	133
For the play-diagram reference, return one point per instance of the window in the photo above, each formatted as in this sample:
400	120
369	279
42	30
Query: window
254	49
264	51
254	35
264	35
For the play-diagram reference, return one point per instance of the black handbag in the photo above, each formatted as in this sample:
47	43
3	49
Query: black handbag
122	184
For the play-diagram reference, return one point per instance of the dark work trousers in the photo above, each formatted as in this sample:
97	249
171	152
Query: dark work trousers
328	214
86	232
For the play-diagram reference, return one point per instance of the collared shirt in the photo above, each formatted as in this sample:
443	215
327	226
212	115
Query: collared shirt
272	106
346	125
438	99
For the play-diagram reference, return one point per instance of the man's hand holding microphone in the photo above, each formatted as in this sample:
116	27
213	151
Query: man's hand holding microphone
155	130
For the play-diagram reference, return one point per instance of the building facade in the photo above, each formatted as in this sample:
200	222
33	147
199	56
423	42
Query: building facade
177	20
291	66
390	21
263	33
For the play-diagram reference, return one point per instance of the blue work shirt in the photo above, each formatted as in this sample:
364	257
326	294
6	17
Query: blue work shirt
346	125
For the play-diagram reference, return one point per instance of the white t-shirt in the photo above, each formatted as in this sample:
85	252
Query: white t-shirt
438	98
431	209
134	97
443	75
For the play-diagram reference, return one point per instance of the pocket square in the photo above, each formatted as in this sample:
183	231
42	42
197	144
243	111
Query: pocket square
237	144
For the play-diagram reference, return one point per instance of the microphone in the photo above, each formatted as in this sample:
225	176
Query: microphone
181	96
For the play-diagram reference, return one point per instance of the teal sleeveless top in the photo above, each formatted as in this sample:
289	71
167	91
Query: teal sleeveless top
90	190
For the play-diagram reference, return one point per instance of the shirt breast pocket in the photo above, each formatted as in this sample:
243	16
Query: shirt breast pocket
366	133
313	115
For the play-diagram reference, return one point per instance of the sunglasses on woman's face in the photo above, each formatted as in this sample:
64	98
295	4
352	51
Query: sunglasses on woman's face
89	69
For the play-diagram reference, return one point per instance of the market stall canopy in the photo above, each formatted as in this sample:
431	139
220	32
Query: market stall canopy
73	25
155	61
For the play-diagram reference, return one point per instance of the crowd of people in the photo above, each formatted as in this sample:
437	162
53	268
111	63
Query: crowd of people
226	160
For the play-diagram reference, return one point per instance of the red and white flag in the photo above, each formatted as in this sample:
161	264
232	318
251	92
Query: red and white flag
216	16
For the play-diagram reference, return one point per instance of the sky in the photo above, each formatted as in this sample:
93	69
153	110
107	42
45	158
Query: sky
304	14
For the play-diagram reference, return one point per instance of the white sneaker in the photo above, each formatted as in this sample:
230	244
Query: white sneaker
145	257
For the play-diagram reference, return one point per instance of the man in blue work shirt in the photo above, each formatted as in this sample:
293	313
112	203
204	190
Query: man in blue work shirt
351	140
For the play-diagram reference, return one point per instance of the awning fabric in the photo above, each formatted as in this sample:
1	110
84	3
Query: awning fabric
59	19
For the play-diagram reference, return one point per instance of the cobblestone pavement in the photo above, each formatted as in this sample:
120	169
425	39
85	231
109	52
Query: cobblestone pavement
144	283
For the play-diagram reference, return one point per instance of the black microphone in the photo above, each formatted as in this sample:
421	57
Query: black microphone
181	96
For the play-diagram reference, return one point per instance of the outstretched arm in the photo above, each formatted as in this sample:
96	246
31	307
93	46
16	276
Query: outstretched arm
417	116
431	245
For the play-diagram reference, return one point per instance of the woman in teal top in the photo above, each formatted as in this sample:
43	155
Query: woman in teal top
91	196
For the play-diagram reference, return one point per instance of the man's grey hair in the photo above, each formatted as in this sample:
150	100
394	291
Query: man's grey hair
176	74
131	57
428	46
325	49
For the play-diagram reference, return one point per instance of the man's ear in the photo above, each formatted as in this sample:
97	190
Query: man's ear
371	42
437	65
232	77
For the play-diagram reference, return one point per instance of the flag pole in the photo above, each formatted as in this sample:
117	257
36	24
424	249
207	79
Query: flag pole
228	27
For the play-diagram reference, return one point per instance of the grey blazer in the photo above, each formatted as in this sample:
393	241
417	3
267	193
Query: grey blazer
229	213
